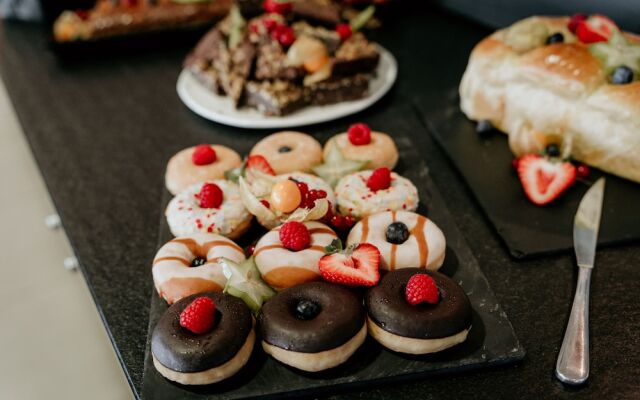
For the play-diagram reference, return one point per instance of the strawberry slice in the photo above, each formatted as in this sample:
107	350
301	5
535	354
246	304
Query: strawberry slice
544	180
352	267
259	163
596	28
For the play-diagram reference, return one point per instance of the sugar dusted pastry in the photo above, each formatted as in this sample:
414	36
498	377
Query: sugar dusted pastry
368	192
211	207
559	80
404	239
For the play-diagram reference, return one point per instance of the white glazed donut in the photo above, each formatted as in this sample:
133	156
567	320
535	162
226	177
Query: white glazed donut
185	216
174	276
424	248
281	267
356	199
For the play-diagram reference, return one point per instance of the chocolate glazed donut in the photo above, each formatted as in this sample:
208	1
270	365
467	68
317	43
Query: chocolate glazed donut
339	318
389	310
180	350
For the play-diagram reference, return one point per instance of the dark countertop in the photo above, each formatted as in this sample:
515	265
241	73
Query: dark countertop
102	131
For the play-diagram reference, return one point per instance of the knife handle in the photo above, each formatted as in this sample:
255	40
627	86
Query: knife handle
573	361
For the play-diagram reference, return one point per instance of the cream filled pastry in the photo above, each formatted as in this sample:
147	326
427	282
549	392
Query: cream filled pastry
404	239
288	255
189	264
212	207
368	192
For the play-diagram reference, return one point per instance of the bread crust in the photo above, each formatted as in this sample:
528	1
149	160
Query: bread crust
538	93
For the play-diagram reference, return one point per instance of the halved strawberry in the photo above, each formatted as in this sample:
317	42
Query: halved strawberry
259	163
596	28
352	267
544	180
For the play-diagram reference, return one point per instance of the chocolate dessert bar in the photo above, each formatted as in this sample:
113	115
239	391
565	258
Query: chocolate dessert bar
356	55
271	62
324	12
338	89
274	97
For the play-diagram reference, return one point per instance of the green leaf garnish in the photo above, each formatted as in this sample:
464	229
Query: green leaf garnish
616	52
334	247
359	21
236	31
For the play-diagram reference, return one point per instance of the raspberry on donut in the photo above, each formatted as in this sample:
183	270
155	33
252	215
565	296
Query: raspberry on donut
362	144
189	264
199	164
210	207
368	192
282	267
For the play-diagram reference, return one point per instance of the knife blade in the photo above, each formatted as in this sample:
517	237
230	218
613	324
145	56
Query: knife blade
572	366
587	224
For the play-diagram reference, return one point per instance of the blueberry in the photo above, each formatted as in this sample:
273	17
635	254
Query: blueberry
198	261
555	38
306	309
284	149
553	150
622	75
397	233
484	126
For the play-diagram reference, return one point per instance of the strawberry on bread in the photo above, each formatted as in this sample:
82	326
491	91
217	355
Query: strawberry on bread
544	179
355	266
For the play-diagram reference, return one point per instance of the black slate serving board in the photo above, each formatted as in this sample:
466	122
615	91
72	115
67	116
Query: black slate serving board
528	230
492	340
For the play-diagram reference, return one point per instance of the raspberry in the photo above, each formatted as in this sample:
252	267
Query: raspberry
380	179
276	6
342	222
203	154
251	249
265	203
199	315
359	134
421	288
269	24
328	216
344	31
284	35
515	163
583	170
303	188
295	236
83	14
210	196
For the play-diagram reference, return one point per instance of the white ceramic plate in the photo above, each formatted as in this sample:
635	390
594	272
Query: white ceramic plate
220	109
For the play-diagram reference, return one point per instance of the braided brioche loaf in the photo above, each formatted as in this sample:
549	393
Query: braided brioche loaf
554	93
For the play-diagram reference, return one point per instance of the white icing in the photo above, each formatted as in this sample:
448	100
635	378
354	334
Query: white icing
185	216
163	270
270	259
355	198
407	253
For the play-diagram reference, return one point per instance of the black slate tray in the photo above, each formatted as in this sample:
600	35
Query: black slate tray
528	230
492	340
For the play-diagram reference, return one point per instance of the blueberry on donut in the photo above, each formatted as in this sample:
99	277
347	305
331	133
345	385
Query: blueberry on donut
212	207
199	164
312	327
189	264
203	339
288	255
289	151
360	143
368	192
415	311
405	239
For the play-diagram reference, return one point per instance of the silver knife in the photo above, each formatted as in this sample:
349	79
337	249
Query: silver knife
572	366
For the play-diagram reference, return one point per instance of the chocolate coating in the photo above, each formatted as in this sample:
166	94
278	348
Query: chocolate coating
181	350
341	316
388	308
